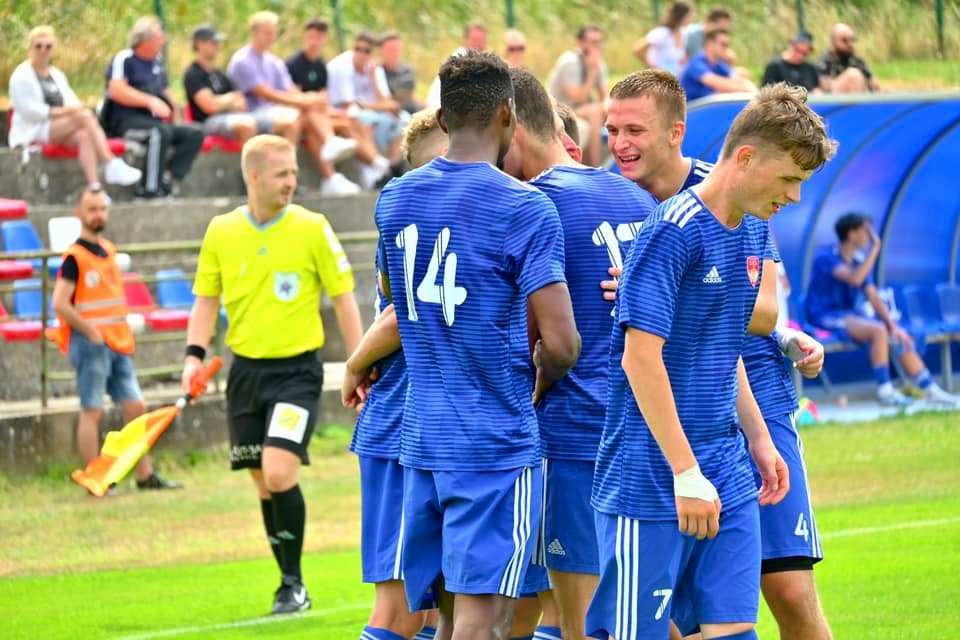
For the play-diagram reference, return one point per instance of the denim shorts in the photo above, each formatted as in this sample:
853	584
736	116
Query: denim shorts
101	370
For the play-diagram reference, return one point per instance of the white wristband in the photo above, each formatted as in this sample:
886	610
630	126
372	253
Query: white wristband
693	484
788	340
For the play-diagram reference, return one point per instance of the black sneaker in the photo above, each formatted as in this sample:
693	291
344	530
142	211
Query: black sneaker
153	481
291	597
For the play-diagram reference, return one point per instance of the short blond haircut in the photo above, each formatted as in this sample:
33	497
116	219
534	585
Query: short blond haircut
256	149
144	28
422	129
779	118
263	17
38	31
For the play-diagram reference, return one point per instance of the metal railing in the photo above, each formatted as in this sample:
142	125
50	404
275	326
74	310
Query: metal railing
145	248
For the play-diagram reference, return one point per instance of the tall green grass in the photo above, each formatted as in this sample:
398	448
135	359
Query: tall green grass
91	31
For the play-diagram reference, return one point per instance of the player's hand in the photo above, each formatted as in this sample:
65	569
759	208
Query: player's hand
902	338
541	386
773	471
698	504
356	386
610	286
810	352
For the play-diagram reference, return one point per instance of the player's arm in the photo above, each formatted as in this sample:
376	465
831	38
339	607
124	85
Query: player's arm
62	295
698	505
857	276
724	84
772	468
766	308
558	346
380	340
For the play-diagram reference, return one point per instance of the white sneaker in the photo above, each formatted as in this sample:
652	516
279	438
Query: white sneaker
893	398
338	185
337	149
939	396
370	175
119	172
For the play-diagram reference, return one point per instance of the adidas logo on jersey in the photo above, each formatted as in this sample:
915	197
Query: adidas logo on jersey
713	276
556	548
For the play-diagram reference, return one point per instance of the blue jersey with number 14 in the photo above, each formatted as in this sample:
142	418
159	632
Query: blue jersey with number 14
464	245
601	213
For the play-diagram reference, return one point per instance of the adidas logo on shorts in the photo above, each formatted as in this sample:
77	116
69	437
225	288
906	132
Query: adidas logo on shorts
713	276
556	548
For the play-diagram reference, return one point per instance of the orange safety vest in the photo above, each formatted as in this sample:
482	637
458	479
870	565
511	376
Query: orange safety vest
99	299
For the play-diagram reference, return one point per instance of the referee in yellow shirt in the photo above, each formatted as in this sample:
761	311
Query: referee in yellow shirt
269	262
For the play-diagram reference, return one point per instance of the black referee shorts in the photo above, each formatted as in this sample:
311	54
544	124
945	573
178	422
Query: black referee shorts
272	403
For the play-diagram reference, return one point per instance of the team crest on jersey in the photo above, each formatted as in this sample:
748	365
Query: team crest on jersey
753	270
91	278
286	286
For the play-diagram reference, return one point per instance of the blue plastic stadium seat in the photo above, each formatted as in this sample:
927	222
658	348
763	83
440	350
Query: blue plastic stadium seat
19	236
27	299
173	289
922	310
949	295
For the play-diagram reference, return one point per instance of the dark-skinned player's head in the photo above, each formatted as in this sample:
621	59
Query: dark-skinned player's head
476	93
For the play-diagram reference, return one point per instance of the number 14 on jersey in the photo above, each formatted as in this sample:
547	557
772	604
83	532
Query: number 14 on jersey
447	294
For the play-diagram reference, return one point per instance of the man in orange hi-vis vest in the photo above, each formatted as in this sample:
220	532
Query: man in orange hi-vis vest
90	305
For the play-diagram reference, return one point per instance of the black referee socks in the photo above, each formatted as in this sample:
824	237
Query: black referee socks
266	509
289	516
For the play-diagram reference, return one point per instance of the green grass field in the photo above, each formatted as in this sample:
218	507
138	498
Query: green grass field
193	564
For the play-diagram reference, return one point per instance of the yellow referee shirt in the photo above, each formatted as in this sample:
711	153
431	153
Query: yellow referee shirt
270	278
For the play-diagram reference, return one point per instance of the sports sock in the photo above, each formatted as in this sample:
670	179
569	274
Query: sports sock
923	380
547	633
289	515
743	635
882	374
427	633
266	509
373	633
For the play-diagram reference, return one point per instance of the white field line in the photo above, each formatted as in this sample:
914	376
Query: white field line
167	633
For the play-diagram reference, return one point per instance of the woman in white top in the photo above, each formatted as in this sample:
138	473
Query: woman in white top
665	46
45	109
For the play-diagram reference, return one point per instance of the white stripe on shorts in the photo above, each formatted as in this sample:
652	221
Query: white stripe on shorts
510	583
627	554
397	565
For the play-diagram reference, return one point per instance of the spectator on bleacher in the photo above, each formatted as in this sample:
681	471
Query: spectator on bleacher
717	18
358	84
514	48
792	65
45	109
474	38
308	70
140	106
708	73
400	75
213	100
664	46
265	81
88	298
842	69
836	282
579	79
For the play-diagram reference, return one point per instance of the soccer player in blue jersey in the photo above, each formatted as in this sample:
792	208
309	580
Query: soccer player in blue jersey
789	536
490	247
376	441
672	456
600	213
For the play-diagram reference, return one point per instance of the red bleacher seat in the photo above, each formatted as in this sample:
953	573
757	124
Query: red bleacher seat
140	300
15	269
226	145
13	209
118	146
19	330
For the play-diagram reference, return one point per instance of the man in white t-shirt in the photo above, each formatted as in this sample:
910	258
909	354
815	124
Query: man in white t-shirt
579	79
355	82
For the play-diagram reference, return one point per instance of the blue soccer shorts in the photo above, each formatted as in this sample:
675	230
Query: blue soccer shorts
476	529
788	529
381	518
644	564
569	536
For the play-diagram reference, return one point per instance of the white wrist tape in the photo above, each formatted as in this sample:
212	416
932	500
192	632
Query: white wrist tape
788	340
693	484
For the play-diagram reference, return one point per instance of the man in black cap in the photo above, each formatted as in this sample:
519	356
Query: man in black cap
215	103
792	66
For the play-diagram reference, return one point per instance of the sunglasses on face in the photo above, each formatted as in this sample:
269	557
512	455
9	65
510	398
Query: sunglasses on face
517	48
848	39
43	46
362	50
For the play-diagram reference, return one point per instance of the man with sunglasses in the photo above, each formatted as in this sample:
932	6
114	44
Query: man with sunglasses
841	69
355	82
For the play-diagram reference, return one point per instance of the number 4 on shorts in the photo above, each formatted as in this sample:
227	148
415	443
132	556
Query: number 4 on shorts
802	529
